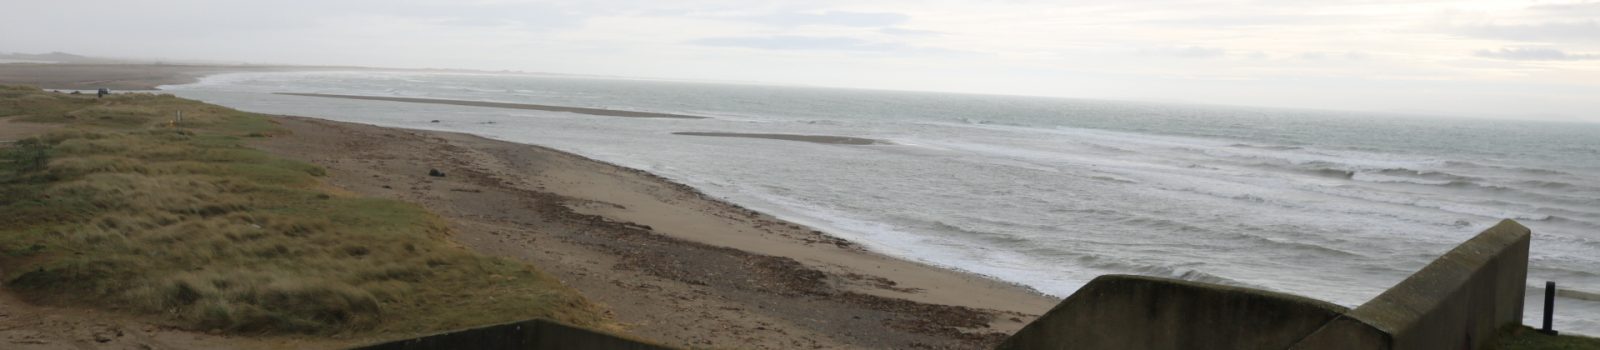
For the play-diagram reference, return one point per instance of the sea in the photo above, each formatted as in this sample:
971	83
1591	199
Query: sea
1052	192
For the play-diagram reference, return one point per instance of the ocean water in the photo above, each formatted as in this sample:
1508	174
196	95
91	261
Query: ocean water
1050	192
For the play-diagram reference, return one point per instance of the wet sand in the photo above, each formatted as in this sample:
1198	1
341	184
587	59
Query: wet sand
837	140
578	110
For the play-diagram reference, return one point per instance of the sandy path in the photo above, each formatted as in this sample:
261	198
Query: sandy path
669	263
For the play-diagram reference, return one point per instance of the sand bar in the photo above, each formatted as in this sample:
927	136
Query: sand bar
834	140
578	110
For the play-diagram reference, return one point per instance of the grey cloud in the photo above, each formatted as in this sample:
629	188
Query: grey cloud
475	22
790	42
908	32
1534	54
1251	21
1321	55
1573	9
1549	31
823	43
1185	52
835	18
527	16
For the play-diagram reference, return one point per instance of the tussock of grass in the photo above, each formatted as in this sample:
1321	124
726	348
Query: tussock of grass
121	212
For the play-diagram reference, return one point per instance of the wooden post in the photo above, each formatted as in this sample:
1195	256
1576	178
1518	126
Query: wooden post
1549	307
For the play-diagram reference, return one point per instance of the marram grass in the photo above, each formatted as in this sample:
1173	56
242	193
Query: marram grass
121	210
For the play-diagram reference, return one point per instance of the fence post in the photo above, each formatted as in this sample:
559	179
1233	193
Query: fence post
1549	307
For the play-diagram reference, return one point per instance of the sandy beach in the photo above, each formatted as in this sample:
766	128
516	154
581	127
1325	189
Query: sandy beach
799	175
665	261
668	262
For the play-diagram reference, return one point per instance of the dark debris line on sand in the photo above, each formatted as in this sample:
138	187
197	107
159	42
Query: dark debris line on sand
747	273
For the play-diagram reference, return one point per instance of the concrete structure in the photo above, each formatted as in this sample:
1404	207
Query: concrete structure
1133	312
1460	301
524	335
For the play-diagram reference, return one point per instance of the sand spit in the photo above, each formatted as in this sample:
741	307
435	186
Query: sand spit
578	110
836	140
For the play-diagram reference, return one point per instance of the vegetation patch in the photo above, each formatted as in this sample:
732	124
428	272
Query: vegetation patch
1526	338
127	209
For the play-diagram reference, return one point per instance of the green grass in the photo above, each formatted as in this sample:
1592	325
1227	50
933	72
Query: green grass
121	211
1526	338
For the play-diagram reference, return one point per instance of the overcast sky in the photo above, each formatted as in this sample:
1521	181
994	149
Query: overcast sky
1520	59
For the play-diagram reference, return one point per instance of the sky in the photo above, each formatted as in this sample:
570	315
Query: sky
1504	59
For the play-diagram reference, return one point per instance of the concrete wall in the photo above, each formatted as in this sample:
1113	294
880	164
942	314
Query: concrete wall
1134	312
525	335
1460	301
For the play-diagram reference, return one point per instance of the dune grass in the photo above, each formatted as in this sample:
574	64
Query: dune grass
122	211
1526	338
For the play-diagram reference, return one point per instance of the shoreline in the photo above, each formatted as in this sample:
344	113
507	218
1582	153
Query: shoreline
672	264
616	235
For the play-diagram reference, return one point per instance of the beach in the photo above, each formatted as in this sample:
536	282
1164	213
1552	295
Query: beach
665	261
662	200
668	262
885	175
1047	193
